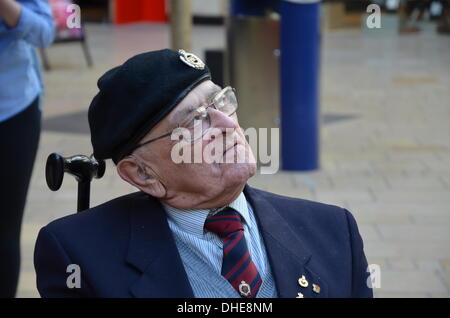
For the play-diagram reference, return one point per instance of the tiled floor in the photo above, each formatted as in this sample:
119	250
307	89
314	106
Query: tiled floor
388	163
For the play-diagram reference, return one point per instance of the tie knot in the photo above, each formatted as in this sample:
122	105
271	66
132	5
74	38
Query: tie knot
224	223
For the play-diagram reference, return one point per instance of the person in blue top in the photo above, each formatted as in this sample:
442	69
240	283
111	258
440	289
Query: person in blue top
24	26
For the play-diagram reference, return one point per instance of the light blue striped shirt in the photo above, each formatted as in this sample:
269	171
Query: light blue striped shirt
201	251
20	81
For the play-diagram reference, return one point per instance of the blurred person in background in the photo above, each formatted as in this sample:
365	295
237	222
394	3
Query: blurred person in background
409	13
444	20
412	11
24	26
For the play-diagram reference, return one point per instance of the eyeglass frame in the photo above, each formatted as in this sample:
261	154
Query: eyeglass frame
179	126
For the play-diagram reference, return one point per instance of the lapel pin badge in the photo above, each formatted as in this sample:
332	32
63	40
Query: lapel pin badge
316	288
302	281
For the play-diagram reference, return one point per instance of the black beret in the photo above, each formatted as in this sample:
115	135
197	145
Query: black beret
138	94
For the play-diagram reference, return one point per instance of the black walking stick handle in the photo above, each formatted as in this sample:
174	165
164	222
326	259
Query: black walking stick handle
82	167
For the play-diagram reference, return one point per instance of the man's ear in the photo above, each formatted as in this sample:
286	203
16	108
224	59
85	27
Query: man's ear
130	171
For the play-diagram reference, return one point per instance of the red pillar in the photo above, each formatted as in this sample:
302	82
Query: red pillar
127	11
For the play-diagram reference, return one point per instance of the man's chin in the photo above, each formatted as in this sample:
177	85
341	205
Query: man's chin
237	173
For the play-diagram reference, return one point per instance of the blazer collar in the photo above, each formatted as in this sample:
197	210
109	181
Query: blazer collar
152	251
288	256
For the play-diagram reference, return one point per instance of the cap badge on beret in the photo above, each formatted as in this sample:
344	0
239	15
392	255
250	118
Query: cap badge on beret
191	59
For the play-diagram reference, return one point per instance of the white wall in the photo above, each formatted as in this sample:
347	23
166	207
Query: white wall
212	8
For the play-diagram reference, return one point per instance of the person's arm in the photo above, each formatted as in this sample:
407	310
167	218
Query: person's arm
10	12
360	275
31	21
50	263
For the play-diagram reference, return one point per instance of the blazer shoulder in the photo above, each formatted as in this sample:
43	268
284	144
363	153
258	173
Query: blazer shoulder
290	205
107	213
309	217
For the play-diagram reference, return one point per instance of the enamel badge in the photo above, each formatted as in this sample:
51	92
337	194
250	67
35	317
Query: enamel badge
191	59
316	288
244	289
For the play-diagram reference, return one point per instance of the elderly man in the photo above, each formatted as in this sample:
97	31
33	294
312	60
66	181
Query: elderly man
195	229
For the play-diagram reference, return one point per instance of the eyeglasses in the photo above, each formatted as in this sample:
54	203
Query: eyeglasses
198	121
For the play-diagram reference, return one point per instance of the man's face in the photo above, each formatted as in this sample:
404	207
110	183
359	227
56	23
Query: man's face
207	183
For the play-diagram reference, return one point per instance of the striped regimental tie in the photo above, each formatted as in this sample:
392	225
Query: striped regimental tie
237	266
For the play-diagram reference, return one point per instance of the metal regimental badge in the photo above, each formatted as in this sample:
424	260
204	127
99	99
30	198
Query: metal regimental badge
244	289
191	59
302	281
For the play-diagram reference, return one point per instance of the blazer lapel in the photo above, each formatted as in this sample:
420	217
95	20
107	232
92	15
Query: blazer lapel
288	257
152	250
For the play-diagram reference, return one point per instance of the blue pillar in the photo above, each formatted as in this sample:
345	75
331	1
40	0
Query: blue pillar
300	63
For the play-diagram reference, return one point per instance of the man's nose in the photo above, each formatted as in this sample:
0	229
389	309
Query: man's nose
221	120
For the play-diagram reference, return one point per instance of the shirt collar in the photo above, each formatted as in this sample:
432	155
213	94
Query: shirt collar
193	220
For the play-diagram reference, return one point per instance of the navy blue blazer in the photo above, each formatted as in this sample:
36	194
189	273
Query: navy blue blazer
124	248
